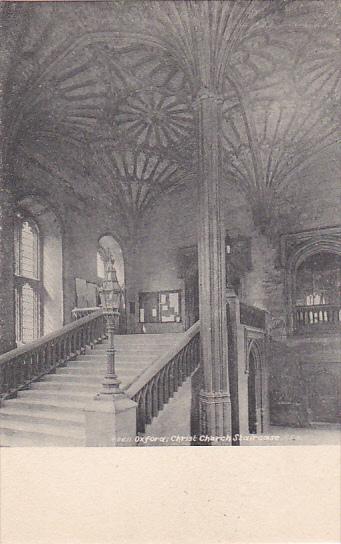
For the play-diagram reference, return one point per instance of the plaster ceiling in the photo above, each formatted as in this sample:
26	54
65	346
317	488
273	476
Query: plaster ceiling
99	96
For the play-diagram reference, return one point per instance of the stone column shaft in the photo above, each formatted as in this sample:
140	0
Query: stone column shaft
215	399
130	271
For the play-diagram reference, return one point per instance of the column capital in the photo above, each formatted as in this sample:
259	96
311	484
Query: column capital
207	94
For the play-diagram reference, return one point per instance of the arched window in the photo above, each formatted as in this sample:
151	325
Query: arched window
100	265
28	280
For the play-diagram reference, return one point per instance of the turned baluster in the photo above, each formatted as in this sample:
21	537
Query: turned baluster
91	342
141	416
161	390
154	398
148	406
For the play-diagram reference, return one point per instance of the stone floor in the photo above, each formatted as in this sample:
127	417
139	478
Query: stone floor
172	428
317	435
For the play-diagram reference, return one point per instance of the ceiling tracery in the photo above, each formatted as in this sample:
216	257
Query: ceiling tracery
154	119
117	93
136	177
318	65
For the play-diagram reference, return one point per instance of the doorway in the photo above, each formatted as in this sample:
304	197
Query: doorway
252	395
191	299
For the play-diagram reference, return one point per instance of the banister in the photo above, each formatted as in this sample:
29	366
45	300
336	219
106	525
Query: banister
40	342
147	374
156	385
26	364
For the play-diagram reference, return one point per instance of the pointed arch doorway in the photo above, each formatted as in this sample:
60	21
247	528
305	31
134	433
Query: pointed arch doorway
255	390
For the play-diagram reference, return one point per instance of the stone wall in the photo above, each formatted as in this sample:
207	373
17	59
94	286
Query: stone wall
7	323
313	200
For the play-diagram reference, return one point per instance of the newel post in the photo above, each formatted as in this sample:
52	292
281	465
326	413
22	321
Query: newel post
110	419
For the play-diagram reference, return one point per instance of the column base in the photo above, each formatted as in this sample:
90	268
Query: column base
215	416
110	421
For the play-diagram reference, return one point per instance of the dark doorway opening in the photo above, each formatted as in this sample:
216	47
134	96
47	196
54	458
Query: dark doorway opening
191	299
252	396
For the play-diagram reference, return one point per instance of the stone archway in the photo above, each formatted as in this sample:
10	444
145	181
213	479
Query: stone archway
296	248
255	387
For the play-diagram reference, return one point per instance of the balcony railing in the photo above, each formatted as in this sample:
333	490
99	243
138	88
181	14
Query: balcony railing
158	383
19	367
317	316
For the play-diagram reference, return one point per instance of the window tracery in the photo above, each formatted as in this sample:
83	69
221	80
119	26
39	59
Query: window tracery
28	280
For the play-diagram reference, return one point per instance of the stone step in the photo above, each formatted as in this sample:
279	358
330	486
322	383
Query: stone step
38	416
146	337
86	379
46	428
118	359
58	405
78	363
37	394
25	434
65	386
134	348
99	372
51	413
74	366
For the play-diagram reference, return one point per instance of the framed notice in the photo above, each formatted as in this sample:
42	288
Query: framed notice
160	307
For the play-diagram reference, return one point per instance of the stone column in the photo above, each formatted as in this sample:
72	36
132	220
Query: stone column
215	405
7	316
131	293
235	373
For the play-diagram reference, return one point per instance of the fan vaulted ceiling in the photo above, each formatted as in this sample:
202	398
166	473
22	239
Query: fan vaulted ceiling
99	96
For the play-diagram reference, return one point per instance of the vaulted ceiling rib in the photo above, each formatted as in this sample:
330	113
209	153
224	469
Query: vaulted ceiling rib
119	90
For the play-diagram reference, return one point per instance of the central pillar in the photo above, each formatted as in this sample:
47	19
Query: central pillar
215	405
131	291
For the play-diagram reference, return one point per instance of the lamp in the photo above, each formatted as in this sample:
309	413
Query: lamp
110	295
110	292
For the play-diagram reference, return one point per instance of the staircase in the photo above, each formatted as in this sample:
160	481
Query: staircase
50	413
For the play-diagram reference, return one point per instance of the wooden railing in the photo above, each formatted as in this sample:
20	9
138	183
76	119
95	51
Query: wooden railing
157	384
252	316
319	314
19	367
